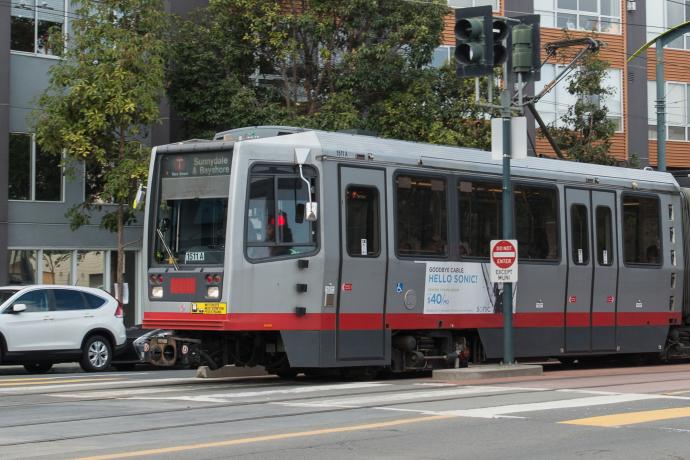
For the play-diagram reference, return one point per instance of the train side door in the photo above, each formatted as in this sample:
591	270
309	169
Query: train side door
605	281
578	301
360	333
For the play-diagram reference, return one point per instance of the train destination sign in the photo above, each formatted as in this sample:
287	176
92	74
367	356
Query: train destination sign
504	267
196	165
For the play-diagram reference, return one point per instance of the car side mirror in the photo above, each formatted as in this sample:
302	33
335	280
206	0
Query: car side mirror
18	308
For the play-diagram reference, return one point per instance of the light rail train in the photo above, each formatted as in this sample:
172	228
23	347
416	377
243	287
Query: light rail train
311	251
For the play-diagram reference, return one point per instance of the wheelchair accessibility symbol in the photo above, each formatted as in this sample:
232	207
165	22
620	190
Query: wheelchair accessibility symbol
399	288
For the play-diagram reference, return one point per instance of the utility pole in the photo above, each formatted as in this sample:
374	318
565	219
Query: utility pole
661	41
482	43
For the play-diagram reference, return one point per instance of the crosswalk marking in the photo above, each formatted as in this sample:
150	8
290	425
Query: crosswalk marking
381	399
53	382
501	411
631	418
226	397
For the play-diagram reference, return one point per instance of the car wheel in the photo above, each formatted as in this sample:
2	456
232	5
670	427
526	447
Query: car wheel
38	368
96	354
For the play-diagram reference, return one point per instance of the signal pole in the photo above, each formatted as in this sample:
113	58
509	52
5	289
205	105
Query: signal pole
507	217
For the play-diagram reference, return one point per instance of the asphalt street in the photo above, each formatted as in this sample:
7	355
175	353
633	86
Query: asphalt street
621	412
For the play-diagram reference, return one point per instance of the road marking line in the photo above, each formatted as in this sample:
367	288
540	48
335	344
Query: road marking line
631	418
501	411
226	397
274	437
47	379
54	382
680	392
364	400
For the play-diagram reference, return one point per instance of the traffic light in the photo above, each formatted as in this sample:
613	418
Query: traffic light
501	30
474	41
525	55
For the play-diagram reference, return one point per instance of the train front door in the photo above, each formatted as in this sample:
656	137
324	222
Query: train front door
360	319
590	302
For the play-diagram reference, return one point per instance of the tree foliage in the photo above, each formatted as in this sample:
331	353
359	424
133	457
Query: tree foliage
101	98
584	132
322	64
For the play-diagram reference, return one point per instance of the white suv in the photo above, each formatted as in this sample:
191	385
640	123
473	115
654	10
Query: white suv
46	324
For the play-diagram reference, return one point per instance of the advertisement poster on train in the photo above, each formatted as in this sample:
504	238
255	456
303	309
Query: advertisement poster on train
460	287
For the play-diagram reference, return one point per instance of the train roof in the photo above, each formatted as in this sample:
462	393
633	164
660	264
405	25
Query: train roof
346	147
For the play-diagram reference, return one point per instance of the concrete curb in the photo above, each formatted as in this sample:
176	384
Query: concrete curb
488	371
203	372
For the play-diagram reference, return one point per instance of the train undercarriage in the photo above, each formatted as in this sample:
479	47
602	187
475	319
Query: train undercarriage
411	351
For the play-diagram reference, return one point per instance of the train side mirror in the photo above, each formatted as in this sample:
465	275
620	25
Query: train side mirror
310	207
311	211
140	198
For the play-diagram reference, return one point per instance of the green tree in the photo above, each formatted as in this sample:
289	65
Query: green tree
585	133
212	56
101	98
437	107
317	63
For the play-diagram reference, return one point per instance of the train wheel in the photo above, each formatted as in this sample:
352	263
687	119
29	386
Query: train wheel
287	374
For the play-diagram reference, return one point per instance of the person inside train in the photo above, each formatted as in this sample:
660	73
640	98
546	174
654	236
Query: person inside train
283	230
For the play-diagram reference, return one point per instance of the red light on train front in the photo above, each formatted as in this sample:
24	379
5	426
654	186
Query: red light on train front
216	278
209	278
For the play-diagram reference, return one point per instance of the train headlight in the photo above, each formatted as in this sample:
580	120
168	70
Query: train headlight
157	292
213	292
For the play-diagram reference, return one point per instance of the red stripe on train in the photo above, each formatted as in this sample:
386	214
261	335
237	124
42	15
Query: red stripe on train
372	321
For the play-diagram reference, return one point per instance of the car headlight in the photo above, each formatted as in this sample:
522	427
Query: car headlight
213	292
157	292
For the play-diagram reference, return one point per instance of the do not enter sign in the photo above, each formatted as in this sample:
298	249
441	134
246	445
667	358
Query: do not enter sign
503	261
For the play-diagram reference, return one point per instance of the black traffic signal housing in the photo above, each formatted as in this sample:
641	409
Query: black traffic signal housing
526	48
480	41
473	41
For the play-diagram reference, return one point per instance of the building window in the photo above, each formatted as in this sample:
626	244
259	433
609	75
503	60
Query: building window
32	23
34	175
677	111
22	269
557	101
594	15
665	14
91	269
421	222
442	56
57	267
467	3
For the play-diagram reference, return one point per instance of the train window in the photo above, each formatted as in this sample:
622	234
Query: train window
275	225
536	222
579	234
480	212
362	221
422	224
641	230
604	235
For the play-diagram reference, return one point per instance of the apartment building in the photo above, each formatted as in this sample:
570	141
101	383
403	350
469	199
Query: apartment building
36	242
38	246
624	25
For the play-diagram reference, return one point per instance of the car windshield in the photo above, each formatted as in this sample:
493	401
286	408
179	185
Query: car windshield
192	209
6	294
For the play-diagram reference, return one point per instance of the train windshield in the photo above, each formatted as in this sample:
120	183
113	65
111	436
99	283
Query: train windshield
191	213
